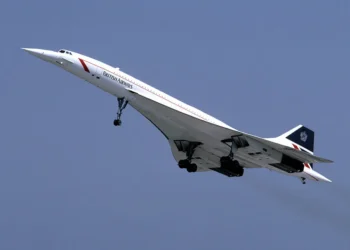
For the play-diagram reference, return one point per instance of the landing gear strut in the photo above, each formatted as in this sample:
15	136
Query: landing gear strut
191	167
303	180
229	158
122	103
229	164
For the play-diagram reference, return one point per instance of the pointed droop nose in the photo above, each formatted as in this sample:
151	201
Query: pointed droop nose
46	55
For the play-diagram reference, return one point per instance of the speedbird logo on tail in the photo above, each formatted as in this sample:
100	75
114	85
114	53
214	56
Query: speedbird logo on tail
303	136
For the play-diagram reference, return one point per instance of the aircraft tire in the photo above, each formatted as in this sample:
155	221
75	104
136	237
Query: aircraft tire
240	172
117	122
192	168
184	163
235	164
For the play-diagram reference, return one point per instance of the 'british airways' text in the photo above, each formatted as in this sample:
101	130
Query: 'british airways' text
126	84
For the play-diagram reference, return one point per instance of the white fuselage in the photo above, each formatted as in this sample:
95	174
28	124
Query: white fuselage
119	84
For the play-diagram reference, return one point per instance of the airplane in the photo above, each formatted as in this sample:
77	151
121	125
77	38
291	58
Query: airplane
198	141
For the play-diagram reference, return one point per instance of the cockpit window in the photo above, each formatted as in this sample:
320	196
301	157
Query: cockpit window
65	51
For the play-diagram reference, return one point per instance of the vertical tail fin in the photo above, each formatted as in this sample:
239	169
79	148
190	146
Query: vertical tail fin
301	136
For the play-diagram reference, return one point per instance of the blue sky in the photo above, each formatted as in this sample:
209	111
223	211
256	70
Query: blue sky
71	180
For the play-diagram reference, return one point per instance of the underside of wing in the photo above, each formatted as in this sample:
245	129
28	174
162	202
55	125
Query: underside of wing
178	125
167	127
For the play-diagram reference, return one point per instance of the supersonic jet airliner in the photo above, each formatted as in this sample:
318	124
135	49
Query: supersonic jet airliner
198	141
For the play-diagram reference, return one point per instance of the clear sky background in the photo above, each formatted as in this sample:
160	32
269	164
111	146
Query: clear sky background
69	179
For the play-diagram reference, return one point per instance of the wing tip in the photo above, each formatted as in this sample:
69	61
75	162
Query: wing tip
329	161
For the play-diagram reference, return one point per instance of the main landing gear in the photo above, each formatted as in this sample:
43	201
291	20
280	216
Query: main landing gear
191	167
303	180
229	164
122	103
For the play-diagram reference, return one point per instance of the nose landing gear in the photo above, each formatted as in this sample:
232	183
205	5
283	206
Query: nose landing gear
122	103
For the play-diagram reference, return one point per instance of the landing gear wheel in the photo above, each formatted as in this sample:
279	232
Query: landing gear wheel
192	168
232	166
240	172
117	122
184	163
122	103
187	163
236	164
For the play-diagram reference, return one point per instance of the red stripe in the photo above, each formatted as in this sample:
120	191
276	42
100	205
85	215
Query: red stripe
84	65
307	165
